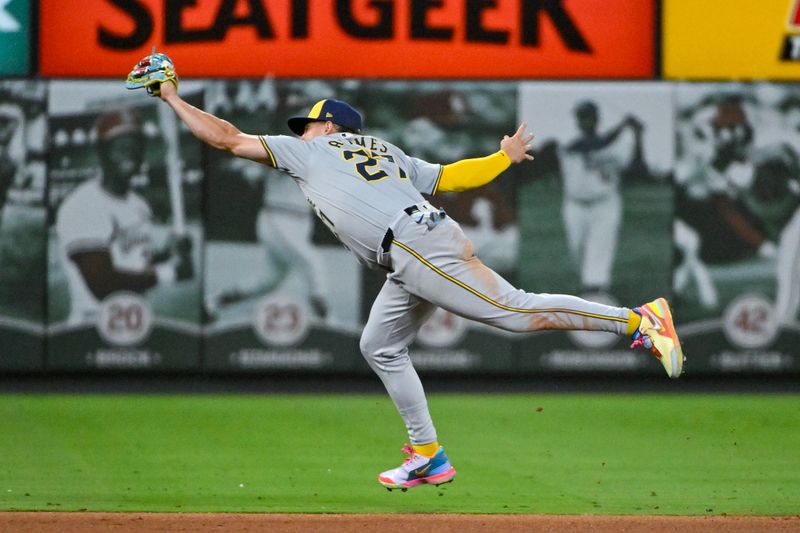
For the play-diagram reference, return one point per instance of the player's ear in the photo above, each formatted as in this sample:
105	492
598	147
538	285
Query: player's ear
330	127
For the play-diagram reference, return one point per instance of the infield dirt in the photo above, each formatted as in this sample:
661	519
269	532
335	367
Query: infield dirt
47	522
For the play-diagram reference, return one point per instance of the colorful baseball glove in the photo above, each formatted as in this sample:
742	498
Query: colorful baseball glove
151	72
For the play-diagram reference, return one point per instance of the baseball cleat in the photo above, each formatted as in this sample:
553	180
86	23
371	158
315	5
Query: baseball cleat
418	469
657	334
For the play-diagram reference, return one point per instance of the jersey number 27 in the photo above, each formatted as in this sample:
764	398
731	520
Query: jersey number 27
367	164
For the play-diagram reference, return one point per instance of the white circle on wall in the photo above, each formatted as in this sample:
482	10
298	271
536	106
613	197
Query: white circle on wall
749	321
442	329
281	320
125	319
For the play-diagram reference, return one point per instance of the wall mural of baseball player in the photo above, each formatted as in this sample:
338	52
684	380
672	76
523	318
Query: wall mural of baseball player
737	225
271	302
23	236
369	194
124	290
446	121
600	195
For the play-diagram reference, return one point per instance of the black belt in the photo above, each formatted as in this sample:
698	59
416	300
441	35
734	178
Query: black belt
386	243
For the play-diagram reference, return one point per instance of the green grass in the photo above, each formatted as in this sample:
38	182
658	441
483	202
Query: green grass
580	454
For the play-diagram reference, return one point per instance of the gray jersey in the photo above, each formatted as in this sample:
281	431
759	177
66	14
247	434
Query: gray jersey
356	184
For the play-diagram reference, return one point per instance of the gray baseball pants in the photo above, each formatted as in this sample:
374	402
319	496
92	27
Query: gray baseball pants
432	264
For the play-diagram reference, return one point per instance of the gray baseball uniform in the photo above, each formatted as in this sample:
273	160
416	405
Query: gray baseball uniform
369	193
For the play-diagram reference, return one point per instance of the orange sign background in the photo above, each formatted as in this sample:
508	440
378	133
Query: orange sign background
620	34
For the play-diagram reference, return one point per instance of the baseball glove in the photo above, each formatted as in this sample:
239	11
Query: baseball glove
151	72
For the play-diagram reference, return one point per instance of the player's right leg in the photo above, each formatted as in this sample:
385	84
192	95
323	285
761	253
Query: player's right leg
393	322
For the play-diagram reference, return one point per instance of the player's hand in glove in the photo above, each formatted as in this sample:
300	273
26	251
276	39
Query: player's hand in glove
151	72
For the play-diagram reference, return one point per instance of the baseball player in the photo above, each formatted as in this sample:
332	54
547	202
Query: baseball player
104	228
369	193
591	167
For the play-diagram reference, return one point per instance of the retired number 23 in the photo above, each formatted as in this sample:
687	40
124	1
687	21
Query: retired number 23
281	318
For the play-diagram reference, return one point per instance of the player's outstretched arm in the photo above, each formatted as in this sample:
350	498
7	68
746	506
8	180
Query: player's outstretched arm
156	73
213	130
473	173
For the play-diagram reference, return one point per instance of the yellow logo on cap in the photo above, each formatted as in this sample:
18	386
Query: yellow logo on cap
317	109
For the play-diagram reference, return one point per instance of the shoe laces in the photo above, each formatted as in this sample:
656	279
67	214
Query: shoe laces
408	449
642	340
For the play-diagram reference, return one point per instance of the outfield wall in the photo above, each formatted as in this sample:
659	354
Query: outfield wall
690	188
273	290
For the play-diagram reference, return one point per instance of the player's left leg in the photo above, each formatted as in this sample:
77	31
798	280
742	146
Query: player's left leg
439	265
393	322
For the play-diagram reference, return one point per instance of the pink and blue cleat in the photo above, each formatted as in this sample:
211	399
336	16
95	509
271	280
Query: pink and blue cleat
418	469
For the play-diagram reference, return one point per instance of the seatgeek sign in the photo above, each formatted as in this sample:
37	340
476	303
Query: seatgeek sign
352	38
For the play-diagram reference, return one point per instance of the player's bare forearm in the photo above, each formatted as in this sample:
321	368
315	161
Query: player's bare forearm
211	129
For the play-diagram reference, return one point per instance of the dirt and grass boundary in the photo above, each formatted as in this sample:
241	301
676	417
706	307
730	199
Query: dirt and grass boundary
49	522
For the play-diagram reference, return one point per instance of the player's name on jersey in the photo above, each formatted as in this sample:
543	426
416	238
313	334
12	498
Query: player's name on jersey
371	143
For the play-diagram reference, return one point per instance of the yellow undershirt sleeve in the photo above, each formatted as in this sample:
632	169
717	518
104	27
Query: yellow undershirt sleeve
472	173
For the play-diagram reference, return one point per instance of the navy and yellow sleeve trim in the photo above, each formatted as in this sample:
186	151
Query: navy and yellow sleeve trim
269	152
438	179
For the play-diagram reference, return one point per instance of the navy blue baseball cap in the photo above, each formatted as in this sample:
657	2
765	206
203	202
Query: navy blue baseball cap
338	112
